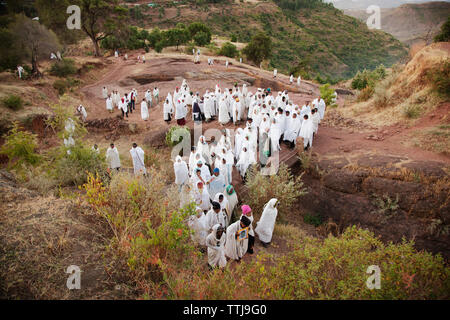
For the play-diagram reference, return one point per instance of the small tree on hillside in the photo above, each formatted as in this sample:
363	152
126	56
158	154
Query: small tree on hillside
444	35
259	48
34	41
100	19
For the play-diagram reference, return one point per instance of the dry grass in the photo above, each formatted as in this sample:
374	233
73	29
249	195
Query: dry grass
435	139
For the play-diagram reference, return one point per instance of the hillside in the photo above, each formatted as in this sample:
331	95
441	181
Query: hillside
363	4
410	23
315	41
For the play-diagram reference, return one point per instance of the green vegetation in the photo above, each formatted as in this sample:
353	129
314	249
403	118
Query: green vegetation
282	186
326	93
229	50
20	147
366	78
13	102
259	48
315	220
444	35
63	68
175	135
440	78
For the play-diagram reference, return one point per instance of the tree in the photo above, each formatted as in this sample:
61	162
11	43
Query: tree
197	27
229	50
444	35
34	41
52	13
100	19
177	36
259	48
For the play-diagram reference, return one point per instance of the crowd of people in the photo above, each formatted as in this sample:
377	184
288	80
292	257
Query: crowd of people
206	177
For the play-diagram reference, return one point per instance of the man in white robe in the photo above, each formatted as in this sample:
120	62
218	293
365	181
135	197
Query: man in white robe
113	158
307	132
138	156
266	224
144	110
235	245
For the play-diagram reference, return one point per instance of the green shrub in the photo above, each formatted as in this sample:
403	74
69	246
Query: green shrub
326	93
73	169
283	186
175	135
20	147
336	267
63	68
201	38
13	102
440	78
229	50
444	35
233	38
61	86
315	220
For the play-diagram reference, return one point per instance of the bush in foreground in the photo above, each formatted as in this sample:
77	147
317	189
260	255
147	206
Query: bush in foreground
20	147
283	186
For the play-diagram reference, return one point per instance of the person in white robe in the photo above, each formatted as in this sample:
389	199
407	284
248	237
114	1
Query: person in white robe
144	110
274	135
266	224
291	79
237	111
124	107
215	242
232	199
138	156
116	54
235	246
247	158
197	224
238	139
105	93
224	117
201	197
299	80
275	71
113	158
204	170
168	109
109	104
215	215
82	111
307	132
223	201
315	117
216	183
181	172
321	107
293	127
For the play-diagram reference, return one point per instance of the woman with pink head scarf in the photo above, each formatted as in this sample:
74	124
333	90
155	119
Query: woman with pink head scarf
247	211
